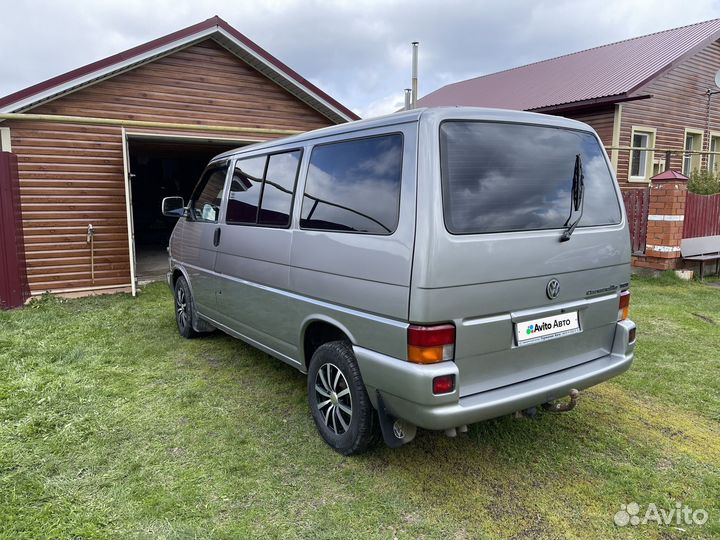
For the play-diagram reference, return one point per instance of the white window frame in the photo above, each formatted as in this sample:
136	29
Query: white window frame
714	159
692	162
5	140
647	156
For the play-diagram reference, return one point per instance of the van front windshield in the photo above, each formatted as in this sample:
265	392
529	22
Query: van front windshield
516	177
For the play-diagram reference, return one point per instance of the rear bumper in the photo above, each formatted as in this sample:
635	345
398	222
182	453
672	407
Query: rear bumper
406	388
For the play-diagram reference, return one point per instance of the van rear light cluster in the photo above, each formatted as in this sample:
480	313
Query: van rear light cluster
430	344
624	307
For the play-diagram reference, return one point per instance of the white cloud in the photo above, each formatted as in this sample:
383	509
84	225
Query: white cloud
384	105
358	51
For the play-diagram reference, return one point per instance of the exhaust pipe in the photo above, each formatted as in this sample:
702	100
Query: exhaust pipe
559	407
408	99
414	74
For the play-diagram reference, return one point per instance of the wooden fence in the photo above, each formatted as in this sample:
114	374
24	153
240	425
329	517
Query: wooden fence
637	203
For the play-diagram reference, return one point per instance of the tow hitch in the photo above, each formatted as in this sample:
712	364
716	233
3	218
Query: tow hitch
559	407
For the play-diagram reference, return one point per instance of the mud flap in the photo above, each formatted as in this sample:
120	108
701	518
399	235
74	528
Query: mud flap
395	432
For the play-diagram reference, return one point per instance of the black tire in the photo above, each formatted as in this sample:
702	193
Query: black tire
184	309
332	370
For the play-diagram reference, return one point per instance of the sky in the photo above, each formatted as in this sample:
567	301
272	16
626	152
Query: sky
357	51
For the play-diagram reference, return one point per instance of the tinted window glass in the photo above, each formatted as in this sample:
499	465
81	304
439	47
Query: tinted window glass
512	177
205	202
278	190
245	189
354	186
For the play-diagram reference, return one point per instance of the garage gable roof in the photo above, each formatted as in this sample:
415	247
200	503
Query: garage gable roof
214	28
615	72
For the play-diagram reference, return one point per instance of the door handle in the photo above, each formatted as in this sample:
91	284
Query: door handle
216	237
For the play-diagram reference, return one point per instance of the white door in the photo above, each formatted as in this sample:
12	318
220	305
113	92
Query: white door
128	209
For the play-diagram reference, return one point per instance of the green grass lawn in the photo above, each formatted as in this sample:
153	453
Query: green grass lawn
113	426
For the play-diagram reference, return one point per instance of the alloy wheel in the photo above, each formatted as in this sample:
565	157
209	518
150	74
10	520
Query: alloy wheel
182	308
334	400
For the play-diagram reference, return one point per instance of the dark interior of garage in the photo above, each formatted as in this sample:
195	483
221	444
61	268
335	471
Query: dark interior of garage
162	168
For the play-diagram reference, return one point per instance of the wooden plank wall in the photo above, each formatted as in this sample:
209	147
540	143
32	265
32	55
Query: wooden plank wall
602	120
678	102
72	175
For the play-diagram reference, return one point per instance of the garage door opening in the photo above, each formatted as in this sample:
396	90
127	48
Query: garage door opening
162	168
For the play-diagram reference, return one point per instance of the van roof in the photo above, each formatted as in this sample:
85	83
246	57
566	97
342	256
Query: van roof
433	115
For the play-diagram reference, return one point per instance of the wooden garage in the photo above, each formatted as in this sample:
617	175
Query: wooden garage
97	148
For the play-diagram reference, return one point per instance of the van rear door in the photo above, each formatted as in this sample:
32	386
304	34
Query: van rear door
490	256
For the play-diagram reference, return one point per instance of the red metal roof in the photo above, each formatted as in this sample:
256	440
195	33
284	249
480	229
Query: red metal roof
669	175
618	70
102	66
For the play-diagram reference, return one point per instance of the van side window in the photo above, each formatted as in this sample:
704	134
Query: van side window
278	190
354	186
205	202
245	188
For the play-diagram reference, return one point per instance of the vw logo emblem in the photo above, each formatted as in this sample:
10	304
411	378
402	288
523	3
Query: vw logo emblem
552	289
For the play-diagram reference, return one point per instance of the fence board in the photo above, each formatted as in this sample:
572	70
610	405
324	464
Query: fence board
637	203
13	276
702	215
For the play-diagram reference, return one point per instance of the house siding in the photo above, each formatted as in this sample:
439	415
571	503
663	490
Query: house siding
678	102
601	120
72	175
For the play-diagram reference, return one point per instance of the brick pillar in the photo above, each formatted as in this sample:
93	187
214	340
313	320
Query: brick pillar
666	214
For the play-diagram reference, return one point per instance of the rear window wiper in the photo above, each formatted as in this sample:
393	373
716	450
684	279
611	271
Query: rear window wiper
577	195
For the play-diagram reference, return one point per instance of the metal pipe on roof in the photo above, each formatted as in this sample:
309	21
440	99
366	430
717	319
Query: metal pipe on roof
414	74
408	99
142	124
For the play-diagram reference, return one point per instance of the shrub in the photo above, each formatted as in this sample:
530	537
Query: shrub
704	182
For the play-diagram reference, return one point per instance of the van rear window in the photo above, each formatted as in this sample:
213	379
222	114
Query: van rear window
516	177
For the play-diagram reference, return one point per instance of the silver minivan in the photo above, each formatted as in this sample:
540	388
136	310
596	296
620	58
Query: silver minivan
430	268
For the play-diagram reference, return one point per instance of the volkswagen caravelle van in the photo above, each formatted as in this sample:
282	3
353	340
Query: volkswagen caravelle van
427	269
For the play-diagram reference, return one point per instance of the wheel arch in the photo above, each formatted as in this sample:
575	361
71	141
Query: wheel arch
199	324
178	271
318	329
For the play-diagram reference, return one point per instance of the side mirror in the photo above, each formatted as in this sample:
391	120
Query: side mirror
173	207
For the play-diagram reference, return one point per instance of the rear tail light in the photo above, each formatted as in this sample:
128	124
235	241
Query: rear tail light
444	384
430	344
624	307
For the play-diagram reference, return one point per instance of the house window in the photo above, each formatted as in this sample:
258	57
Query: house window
714	159
641	160
693	143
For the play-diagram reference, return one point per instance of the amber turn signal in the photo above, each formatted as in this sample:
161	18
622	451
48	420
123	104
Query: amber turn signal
624	306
